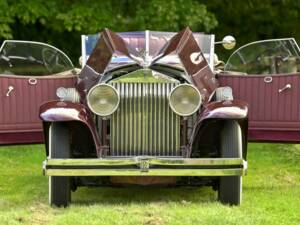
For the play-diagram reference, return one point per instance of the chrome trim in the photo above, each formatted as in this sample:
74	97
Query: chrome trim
32	81
287	86
145	166
151	172
68	94
268	79
10	89
199	104
83	51
114	109
144	123
127	161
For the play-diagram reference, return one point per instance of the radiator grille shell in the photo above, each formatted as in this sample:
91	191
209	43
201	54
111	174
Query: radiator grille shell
144	124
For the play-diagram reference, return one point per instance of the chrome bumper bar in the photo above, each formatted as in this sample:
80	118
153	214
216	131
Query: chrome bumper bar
145	166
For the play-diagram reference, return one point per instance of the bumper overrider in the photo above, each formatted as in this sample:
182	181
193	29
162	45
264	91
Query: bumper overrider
145	166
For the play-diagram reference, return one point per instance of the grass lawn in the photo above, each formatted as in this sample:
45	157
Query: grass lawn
271	194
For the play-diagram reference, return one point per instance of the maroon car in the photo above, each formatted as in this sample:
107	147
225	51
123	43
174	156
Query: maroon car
146	116
27	81
30	73
266	75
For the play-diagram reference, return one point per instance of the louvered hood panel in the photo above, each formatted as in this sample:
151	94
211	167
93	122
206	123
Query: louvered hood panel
144	124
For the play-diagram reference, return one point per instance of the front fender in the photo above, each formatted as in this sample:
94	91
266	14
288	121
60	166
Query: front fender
58	111
55	111
216	112
228	109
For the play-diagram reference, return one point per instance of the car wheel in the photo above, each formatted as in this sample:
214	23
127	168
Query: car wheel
59	147
230	187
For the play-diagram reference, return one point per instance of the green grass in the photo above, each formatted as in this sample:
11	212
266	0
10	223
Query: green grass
271	194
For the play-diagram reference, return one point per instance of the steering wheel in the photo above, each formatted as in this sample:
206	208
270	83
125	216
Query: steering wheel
278	52
50	59
266	60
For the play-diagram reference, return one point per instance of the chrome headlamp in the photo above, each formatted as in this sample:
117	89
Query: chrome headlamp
68	94
185	99
103	99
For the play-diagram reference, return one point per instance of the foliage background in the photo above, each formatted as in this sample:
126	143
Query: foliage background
61	22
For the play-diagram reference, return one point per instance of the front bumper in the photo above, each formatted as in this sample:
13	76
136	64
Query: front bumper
145	166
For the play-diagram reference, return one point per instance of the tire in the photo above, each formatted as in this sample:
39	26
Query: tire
59	147
230	187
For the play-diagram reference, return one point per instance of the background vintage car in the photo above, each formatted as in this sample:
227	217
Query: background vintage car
266	75
30	73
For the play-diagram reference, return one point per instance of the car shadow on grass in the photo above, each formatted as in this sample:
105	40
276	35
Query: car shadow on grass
127	195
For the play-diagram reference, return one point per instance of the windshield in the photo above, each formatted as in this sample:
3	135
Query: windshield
147	44
266	57
32	59
158	39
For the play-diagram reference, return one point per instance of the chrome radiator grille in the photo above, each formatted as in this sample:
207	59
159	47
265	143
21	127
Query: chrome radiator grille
144	124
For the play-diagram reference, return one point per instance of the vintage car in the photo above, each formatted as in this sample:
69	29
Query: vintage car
27	81
266	75
30	73
146	111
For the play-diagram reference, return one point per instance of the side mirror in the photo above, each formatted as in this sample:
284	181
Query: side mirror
228	42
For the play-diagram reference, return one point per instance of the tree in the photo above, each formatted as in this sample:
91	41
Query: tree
61	22
252	20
